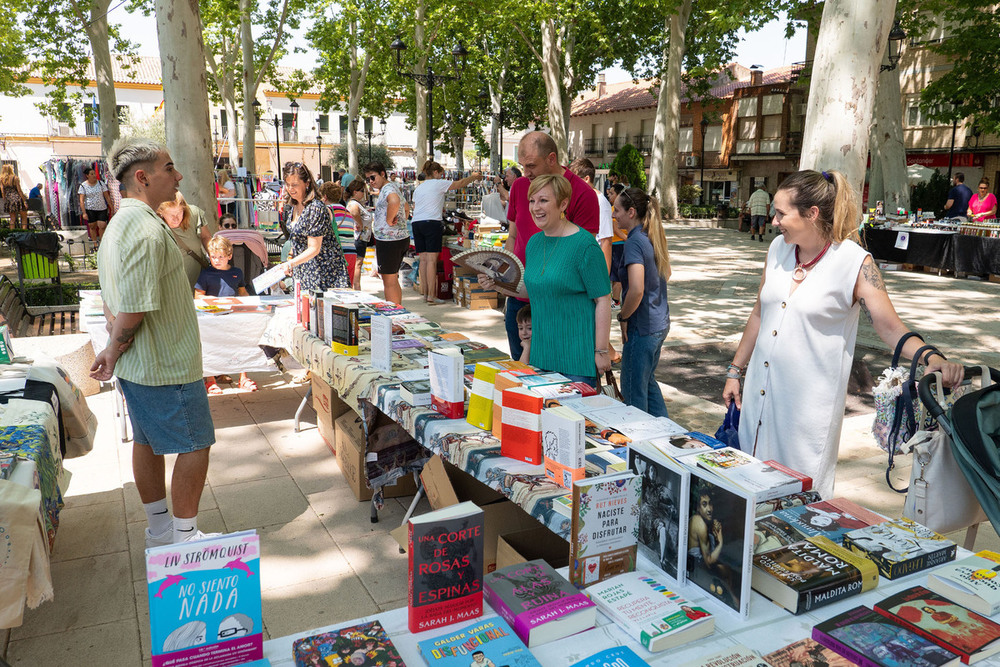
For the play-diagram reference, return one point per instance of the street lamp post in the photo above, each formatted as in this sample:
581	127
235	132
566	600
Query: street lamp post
215	139
894	46
429	80
704	126
369	133
319	151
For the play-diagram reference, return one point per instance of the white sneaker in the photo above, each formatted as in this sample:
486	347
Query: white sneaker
164	538
198	535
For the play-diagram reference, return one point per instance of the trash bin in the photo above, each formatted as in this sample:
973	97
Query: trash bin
37	256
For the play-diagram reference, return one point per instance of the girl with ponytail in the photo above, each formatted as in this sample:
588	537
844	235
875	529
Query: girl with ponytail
644	315
798	345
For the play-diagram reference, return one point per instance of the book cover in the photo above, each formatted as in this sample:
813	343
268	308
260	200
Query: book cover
344	335
900	547
501	382
618	656
498	263
318	316
870	639
763	480
949	625
521	436
416	392
735	656
720	539
544	380
806	653
765	507
562	445
973	582
367	645
204	602
649	612
663	514
445	566
604	530
829	518
484	354
812	573
602	462
481	398
486	643
538	603
447	390
806	480
381	346
771	532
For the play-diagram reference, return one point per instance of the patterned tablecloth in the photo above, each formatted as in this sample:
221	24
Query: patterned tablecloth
472	449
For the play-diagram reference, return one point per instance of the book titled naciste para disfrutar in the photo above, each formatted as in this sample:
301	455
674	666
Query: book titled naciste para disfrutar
446	566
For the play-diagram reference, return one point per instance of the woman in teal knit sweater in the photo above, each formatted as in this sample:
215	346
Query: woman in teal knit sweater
566	277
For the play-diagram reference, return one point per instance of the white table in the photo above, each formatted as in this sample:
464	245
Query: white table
769	628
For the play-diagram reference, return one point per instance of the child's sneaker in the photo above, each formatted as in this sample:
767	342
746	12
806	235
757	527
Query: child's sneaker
164	538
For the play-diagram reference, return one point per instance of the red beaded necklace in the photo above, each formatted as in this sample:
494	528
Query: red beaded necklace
799	274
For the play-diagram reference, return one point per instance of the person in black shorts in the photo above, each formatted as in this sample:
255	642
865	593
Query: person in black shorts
428	227
392	239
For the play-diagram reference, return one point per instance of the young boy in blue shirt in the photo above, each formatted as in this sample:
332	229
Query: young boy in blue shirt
222	279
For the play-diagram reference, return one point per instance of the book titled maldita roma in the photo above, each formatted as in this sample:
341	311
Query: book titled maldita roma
538	602
446	566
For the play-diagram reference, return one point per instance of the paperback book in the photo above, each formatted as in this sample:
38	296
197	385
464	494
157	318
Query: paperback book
663	514
736	656
447	390
766	507
720	539
521	435
502	382
964	632
445	566
806	653
972	582
685	444
869	639
765	481
618	656
604	527
481	397
205	602
344	334
485	643
900	547
829	518
649	612
810	574
366	645
538	603
562	445
416	392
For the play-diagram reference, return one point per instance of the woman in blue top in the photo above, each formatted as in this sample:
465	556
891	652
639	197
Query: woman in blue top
644	316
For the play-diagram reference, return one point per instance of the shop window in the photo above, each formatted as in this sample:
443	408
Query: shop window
685	140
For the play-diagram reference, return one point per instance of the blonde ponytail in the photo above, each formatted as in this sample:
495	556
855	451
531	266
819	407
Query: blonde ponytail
652	224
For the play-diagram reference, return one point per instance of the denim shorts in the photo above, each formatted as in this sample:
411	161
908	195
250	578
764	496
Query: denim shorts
172	419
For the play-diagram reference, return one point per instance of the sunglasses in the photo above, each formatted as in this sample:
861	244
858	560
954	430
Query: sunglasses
228	225
371	179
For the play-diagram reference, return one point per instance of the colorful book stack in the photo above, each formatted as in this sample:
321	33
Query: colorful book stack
521	435
486	642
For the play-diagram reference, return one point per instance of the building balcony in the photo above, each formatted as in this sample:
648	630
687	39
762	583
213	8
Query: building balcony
616	143
593	146
644	143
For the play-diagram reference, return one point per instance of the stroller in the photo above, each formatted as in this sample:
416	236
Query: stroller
973	425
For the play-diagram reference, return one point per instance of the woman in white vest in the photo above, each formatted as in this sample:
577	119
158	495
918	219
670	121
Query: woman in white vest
798	345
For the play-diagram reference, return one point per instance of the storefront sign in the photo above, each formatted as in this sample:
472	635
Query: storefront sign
933	160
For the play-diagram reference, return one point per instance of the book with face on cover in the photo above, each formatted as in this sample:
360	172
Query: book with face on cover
604	527
365	644
945	623
664	513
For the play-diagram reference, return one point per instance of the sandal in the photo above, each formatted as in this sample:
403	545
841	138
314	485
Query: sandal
211	387
248	384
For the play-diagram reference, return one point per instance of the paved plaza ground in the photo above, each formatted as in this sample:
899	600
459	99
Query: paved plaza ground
323	561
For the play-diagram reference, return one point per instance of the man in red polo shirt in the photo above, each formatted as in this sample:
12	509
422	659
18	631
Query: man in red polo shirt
538	155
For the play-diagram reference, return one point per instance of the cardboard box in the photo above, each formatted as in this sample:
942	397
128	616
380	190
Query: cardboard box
328	407
446	485
351	459
482	304
530	544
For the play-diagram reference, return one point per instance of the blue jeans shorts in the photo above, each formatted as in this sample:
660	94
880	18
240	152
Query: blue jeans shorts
172	419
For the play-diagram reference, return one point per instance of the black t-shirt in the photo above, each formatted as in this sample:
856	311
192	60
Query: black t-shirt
961	194
216	282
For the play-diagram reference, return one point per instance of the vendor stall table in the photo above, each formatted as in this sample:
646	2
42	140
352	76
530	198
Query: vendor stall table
768	628
948	251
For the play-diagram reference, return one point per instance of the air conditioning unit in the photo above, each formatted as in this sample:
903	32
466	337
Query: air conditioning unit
691	161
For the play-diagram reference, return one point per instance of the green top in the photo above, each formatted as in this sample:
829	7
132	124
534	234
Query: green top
563	276
191	237
141	271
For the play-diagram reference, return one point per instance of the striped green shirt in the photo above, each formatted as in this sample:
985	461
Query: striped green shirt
141	271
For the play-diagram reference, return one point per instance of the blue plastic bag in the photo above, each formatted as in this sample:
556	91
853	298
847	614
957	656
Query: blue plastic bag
729	432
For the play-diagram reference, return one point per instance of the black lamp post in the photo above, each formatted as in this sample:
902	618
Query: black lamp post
894	46
704	126
429	80
369	133
319	151
295	120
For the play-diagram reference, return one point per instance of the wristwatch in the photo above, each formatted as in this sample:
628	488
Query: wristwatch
622	319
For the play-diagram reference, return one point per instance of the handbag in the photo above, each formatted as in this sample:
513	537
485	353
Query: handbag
611	387
729	432
905	423
940	496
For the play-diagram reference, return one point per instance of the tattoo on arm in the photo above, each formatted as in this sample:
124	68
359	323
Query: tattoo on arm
127	335
872	275
864	309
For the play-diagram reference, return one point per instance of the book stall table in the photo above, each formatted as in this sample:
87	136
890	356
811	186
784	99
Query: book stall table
41	412
946	250
768	628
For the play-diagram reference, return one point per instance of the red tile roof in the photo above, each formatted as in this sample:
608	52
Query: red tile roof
631	95
146	69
